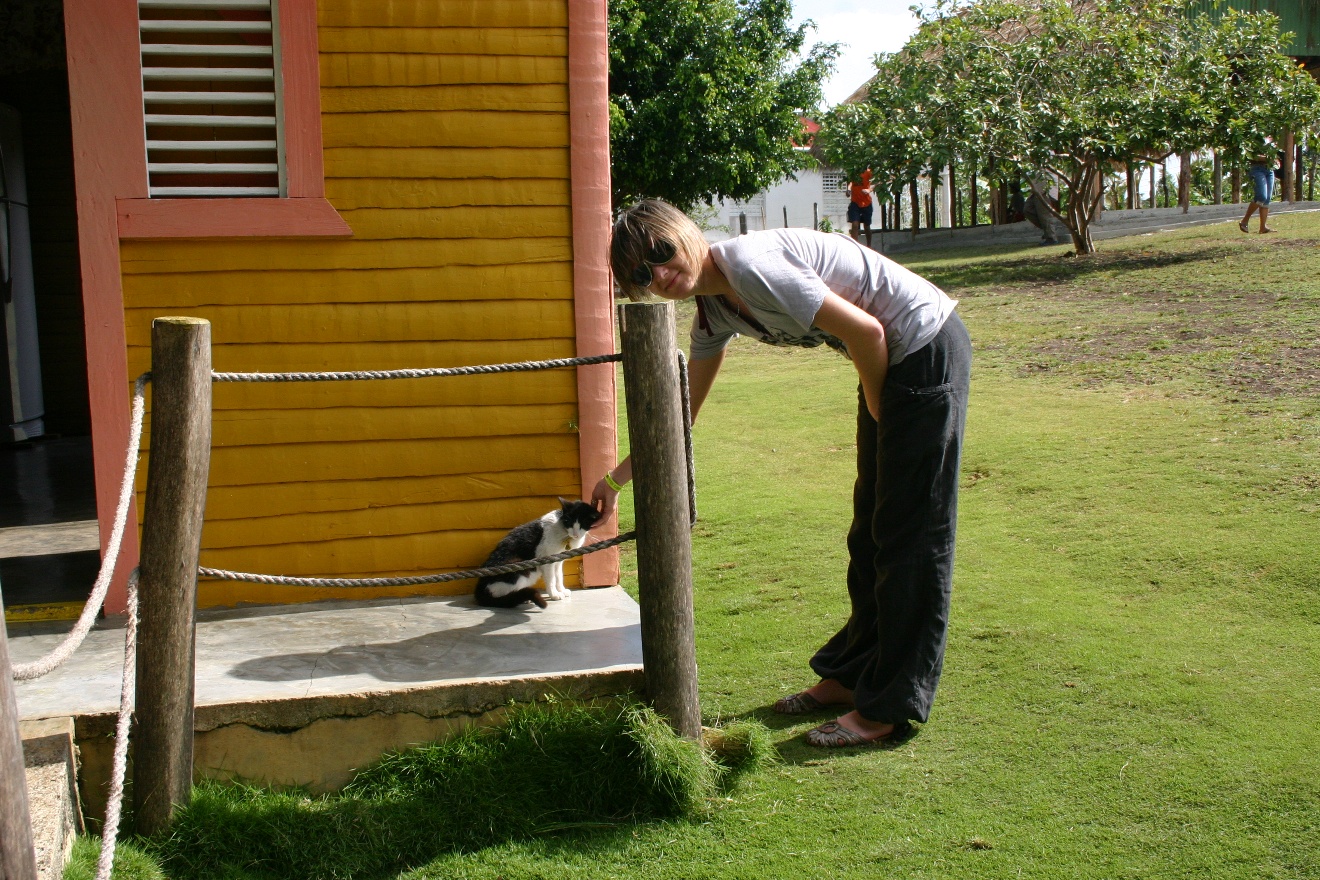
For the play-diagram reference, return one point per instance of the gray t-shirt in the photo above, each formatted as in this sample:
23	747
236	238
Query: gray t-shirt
783	275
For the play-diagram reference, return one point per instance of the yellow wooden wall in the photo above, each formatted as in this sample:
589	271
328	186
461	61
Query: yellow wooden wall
446	138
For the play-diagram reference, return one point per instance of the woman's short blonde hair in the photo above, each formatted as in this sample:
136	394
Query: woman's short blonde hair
637	230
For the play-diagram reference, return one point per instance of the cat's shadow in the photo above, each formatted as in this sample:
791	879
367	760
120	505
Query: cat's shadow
494	647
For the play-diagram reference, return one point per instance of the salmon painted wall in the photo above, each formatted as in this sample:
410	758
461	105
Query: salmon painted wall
446	133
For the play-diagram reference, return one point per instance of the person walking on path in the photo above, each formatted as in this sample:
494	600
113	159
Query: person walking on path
913	360
1262	182
861	206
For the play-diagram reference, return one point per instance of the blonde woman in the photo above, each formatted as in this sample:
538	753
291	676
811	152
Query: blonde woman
913	360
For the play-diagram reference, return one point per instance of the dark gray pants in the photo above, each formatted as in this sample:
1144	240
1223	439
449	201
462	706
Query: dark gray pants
905	508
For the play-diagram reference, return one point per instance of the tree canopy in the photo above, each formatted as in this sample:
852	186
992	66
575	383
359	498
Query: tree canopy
1068	91
705	96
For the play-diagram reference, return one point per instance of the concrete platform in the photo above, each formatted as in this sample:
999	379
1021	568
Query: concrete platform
305	694
50	765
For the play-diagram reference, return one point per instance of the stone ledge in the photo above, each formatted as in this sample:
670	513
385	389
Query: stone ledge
50	761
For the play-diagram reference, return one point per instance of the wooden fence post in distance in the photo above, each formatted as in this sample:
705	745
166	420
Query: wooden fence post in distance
660	499
18	860
167	588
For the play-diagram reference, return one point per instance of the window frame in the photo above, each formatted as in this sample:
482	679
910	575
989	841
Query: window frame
303	212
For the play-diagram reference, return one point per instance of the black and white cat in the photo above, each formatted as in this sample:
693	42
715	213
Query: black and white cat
557	531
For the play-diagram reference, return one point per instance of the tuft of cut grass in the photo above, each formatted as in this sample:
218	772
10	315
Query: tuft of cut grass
552	767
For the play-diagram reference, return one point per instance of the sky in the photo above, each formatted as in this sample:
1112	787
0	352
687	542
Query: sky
865	27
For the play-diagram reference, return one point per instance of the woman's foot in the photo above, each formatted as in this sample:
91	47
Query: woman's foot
1243	226
1264	229
853	730
825	693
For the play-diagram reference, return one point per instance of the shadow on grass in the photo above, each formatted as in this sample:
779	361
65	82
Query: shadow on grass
1065	268
792	744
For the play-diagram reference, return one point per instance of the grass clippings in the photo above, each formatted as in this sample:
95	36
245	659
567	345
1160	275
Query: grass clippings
550	768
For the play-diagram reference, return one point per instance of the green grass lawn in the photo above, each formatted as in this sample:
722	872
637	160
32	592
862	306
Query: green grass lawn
1132	683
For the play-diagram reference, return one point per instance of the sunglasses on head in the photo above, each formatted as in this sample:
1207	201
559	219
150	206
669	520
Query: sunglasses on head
660	252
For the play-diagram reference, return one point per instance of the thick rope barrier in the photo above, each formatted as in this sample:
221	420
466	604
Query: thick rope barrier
75	638
687	438
119	766
467	574
519	367
508	568
128	683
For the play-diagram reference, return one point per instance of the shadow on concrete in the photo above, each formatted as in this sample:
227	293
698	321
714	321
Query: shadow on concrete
482	650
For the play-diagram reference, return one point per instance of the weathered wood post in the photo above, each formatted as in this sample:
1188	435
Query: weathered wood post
18	860
660	498
171	540
1185	180
1289	149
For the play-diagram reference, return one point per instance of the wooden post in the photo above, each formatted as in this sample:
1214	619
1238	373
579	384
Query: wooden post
1289	148
1218	175
171	540
18	860
1185	180
660	499
974	196
1299	173
955	197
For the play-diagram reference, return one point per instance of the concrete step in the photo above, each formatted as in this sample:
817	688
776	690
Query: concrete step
303	695
50	761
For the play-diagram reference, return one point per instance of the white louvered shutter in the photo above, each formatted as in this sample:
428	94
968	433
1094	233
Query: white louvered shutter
210	83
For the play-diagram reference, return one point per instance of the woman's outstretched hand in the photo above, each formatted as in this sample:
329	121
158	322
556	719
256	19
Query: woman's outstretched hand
604	498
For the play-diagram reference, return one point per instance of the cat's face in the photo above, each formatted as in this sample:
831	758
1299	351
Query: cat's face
577	517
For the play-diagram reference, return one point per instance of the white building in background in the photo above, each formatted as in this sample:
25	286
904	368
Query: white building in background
808	199
814	197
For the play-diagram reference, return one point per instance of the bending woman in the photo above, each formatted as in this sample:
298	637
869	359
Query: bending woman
913	359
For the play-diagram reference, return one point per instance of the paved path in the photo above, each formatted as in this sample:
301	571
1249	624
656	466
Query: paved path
1113	224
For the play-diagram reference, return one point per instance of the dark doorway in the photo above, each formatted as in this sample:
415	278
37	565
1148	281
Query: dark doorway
47	493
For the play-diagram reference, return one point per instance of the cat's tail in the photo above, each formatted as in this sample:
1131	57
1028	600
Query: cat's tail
511	600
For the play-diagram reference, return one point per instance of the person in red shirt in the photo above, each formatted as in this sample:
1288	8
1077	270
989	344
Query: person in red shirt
861	206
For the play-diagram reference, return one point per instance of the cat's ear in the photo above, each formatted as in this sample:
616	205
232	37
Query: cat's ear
564	503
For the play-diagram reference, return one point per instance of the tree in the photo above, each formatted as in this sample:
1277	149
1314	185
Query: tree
1052	89
706	97
1261	92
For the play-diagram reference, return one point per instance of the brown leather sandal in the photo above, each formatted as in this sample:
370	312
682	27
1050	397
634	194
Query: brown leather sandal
833	735
801	703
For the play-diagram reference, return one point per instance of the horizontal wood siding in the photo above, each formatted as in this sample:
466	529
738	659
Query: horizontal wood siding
446	150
